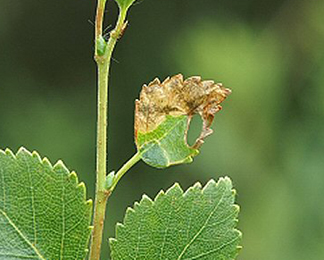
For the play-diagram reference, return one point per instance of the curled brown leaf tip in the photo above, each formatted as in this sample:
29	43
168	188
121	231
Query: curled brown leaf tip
176	96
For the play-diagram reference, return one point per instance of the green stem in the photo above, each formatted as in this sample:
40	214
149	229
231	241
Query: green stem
136	157
103	64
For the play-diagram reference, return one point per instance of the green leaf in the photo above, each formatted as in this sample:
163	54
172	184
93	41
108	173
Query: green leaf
166	145
124	4
198	224
43	209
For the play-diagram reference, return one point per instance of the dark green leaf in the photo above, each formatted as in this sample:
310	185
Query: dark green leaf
43	209
198	224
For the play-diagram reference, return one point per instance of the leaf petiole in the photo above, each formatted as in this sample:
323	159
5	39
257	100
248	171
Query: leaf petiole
121	172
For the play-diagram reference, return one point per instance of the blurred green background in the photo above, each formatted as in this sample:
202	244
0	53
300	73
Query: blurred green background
269	138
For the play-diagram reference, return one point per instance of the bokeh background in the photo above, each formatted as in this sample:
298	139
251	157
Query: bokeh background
269	138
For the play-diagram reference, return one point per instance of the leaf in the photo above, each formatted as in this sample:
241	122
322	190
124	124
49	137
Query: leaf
124	4
166	145
43	211
163	114
198	224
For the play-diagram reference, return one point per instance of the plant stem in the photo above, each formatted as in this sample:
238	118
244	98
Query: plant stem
103	64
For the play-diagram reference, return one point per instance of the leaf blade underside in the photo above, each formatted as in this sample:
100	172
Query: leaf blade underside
166	145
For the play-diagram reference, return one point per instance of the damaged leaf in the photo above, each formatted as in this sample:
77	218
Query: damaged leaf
163	114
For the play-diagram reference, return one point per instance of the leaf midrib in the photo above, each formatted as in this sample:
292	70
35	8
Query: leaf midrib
201	229
22	235
164	135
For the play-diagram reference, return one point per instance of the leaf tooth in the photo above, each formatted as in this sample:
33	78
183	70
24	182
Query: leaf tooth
90	228
159	196
178	77
130	209
196	187
89	203
23	151
46	162
8	152
89	206
236	208
37	156
59	165
136	205
82	188
166	80
239	247
74	177
175	190
212	184
119	228
226	91
112	241
129	215
223	181
156	81
146	201
226	180
240	235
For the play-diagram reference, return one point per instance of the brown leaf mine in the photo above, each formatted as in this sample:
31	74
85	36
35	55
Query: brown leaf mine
176	96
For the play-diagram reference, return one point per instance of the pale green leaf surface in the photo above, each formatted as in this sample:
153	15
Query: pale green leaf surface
43	209
166	145
198	224
125	4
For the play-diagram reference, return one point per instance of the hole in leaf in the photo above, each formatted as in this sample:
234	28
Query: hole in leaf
195	129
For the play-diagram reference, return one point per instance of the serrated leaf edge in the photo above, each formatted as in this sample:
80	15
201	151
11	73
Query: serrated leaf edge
59	165
226	180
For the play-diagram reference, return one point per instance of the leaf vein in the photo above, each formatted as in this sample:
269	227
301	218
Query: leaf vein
213	250
21	234
32	198
4	190
202	228
165	133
